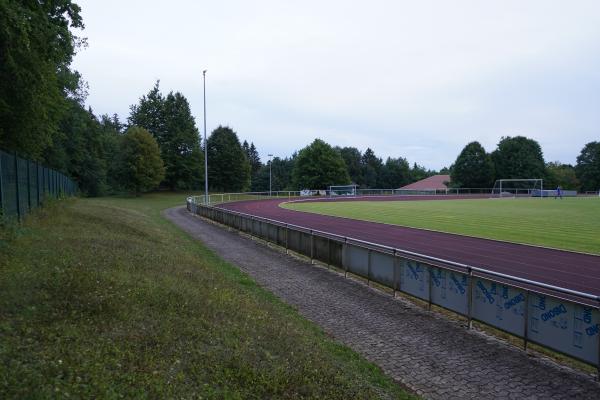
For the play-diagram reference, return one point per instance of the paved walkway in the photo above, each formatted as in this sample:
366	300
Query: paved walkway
435	357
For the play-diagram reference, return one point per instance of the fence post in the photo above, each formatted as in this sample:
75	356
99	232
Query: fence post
1	187
598	363
345	257
287	231
369	268
28	188
328	252
429	272
17	185
470	299
37	181
395	274
312	246
526	327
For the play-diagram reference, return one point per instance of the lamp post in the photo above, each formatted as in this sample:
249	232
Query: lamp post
205	146
270	190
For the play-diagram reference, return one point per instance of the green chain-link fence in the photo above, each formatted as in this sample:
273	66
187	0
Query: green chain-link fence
25	184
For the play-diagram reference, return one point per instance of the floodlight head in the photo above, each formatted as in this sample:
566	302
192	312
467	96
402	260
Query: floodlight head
204	72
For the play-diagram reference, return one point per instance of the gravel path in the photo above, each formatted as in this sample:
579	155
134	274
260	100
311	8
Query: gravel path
435	357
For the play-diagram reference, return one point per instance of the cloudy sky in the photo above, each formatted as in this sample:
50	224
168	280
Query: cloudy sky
417	79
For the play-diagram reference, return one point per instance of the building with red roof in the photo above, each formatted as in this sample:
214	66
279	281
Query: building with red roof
437	182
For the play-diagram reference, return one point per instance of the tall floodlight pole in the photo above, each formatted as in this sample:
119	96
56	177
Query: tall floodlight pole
205	146
270	190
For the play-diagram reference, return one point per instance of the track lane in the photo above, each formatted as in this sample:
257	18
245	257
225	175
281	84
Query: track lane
576	271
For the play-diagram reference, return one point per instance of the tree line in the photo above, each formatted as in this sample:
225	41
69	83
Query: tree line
522	158
43	118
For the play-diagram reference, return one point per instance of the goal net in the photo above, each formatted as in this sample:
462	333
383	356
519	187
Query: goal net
519	188
343	190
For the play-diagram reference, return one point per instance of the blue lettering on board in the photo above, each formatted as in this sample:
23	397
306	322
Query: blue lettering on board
514	301
485	292
542	303
435	279
561	309
414	272
587	315
592	330
458	285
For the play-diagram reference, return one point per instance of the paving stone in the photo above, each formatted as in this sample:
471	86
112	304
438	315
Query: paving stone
434	356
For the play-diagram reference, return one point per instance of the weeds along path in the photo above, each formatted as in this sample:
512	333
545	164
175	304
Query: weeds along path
435	357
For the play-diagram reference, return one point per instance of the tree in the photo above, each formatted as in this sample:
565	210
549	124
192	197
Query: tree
36	50
140	166
563	175
149	114
473	168
252	156
418	172
169	120
395	173
318	166
352	157
371	169
588	166
281	175
111	130
180	151
518	158
228	168
255	165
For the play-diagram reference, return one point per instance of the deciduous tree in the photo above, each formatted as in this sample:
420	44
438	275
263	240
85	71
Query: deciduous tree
588	166
518	158
473	168
140	166
395	173
37	46
319	166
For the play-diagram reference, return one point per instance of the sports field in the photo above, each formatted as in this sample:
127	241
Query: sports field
569	224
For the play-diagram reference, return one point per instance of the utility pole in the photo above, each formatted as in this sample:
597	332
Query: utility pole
205	146
270	162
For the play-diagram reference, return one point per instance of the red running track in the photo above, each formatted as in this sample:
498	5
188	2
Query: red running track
575	271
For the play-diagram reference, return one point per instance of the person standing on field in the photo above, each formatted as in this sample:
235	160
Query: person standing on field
558	193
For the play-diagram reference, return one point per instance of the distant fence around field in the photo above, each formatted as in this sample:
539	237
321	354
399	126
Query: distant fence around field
563	320
218	198
25	185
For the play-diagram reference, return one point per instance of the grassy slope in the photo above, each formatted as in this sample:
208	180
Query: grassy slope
104	298
571	224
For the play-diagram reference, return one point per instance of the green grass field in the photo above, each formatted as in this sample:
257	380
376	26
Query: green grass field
104	298
570	224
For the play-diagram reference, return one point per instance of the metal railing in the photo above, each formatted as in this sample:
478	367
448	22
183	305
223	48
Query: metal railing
564	320
25	184
423	192
219	198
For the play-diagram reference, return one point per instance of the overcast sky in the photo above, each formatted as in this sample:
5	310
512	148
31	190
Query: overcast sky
417	79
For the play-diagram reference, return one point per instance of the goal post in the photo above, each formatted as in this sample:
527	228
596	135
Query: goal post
342	190
533	187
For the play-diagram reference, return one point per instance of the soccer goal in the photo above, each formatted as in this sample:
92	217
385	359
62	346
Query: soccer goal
519	188
343	190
